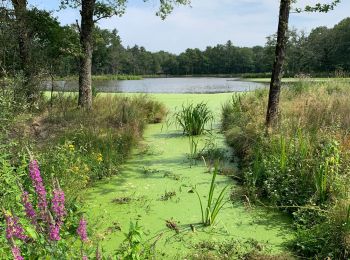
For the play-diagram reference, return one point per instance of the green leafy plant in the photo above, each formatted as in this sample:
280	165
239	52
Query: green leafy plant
132	248
193	119
214	206
328	167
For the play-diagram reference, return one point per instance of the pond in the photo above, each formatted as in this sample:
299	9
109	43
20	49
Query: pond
160	166
164	85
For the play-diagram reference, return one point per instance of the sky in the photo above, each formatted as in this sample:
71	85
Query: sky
204	23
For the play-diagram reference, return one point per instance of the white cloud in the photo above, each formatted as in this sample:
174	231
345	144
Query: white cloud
208	22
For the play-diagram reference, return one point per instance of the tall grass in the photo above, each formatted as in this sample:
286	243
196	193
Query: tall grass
303	166
194	119
214	206
79	146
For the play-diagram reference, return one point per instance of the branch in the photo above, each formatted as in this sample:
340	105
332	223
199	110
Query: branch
78	26
322	8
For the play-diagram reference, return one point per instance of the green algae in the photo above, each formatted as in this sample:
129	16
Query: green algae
160	168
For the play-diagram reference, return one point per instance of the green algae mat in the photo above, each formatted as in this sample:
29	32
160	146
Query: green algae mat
155	188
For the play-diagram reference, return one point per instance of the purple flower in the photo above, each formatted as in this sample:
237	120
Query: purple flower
57	204
84	257
82	230
38	185
14	229
30	212
16	252
54	232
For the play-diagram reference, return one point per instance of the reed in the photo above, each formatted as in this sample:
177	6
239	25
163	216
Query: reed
214	206
194	119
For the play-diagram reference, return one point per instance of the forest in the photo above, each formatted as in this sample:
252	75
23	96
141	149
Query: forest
55	50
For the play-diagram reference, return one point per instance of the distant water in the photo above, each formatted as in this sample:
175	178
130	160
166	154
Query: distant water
164	85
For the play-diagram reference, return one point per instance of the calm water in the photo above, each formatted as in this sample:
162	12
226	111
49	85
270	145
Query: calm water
164	85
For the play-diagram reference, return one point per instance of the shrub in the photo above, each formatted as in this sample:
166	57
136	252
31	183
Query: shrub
303	166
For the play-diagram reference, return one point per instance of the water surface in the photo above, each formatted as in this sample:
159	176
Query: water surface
164	85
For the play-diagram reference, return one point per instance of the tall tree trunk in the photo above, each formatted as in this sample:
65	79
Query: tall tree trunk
20	7
275	85
86	42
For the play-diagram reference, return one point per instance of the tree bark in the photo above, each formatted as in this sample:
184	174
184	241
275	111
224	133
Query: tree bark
20	8
275	85
86	42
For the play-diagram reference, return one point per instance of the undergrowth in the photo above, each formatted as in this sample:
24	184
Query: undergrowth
74	146
303	166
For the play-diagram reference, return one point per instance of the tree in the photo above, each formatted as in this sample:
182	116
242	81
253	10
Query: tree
275	84
92	11
20	10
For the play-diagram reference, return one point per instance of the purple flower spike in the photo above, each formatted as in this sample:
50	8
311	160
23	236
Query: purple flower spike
54	232
57	204
16	252
82	230
30	212
14	229
38	185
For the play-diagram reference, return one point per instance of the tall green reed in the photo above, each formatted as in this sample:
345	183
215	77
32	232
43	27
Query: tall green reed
193	119
214	206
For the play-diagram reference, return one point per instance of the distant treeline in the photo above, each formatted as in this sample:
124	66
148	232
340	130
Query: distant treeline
55	50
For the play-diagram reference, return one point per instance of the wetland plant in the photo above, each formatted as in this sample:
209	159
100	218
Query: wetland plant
214	206
168	195
193	119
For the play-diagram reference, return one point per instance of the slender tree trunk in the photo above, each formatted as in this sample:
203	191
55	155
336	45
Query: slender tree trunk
275	85
86	42
20	7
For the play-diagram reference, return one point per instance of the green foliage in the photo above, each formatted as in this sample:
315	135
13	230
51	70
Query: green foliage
303	166
83	148
214	206
132	247
232	249
193	119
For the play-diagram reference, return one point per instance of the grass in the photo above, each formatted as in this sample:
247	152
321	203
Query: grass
214	206
293	80
193	119
105	77
302	167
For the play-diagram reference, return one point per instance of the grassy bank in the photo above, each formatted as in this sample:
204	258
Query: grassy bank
74	148
301	168
104	77
296	80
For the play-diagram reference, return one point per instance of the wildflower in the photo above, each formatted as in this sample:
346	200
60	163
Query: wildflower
13	228
99	157
57	204
82	230
16	252
55	232
84	257
38	185
30	212
71	147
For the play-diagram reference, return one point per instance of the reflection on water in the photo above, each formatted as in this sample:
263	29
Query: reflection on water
163	85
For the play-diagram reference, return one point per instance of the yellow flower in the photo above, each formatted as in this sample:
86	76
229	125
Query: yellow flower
71	147
99	157
75	168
